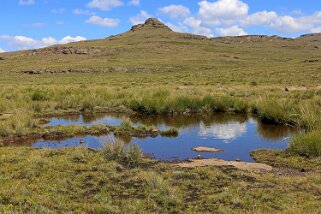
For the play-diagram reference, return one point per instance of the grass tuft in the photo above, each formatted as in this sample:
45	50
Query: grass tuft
130	155
308	144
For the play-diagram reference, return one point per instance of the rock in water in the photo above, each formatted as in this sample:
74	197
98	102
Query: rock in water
206	149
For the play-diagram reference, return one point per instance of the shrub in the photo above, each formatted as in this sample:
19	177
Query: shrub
308	144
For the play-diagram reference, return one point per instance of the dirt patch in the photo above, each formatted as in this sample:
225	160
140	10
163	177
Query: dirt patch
289	172
206	149
217	162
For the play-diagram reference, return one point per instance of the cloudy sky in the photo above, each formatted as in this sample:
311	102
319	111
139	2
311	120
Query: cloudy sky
28	24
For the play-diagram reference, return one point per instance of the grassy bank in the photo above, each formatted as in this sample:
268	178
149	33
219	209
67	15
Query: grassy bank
22	105
82	180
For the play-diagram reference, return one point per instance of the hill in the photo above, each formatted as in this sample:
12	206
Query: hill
154	47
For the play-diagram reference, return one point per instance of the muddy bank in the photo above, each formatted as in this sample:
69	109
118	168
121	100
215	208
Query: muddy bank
217	162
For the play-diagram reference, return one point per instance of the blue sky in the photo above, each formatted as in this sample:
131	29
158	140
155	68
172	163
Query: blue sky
28	24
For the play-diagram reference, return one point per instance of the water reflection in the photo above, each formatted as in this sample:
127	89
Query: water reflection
273	132
226	132
237	135
87	120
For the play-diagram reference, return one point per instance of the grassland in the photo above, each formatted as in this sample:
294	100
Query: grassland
157	71
79	180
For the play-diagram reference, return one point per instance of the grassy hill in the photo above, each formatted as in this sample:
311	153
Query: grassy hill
153	47
152	70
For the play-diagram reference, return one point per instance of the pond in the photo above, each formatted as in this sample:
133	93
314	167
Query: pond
236	135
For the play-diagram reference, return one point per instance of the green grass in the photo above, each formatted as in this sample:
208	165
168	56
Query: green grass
308	145
288	159
156	72
79	180
130	155
171	132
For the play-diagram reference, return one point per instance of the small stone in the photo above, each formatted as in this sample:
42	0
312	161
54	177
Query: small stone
81	141
238	160
302	170
199	157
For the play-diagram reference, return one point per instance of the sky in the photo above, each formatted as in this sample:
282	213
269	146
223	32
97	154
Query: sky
30	24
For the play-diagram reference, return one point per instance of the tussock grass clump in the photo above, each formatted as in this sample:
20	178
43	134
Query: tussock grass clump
19	123
40	95
308	144
277	112
171	132
130	155
152	105
310	117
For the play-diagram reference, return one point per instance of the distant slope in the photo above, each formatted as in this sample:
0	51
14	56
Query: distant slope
154	47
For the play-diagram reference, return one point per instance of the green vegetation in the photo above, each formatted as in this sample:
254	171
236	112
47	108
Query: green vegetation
288	160
308	145
80	180
154	72
172	132
117	151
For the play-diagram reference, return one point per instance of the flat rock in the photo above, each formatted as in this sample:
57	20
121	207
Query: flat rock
206	149
217	162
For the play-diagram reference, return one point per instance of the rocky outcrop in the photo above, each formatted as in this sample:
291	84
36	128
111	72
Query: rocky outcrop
97	70
151	23
250	39
63	50
188	36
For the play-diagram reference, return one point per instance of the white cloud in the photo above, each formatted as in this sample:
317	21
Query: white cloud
69	39
2	50
260	18
105	4
23	43
222	12
83	12
134	3
283	24
316	30
197	28
106	22
177	27
140	18
26	2
289	25
231	31
175	11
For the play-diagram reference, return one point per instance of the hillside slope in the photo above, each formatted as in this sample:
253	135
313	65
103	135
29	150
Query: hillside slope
155	47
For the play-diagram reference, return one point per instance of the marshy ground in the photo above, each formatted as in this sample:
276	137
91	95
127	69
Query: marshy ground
155	72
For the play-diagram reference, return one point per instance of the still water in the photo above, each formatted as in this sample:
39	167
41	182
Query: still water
237	135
